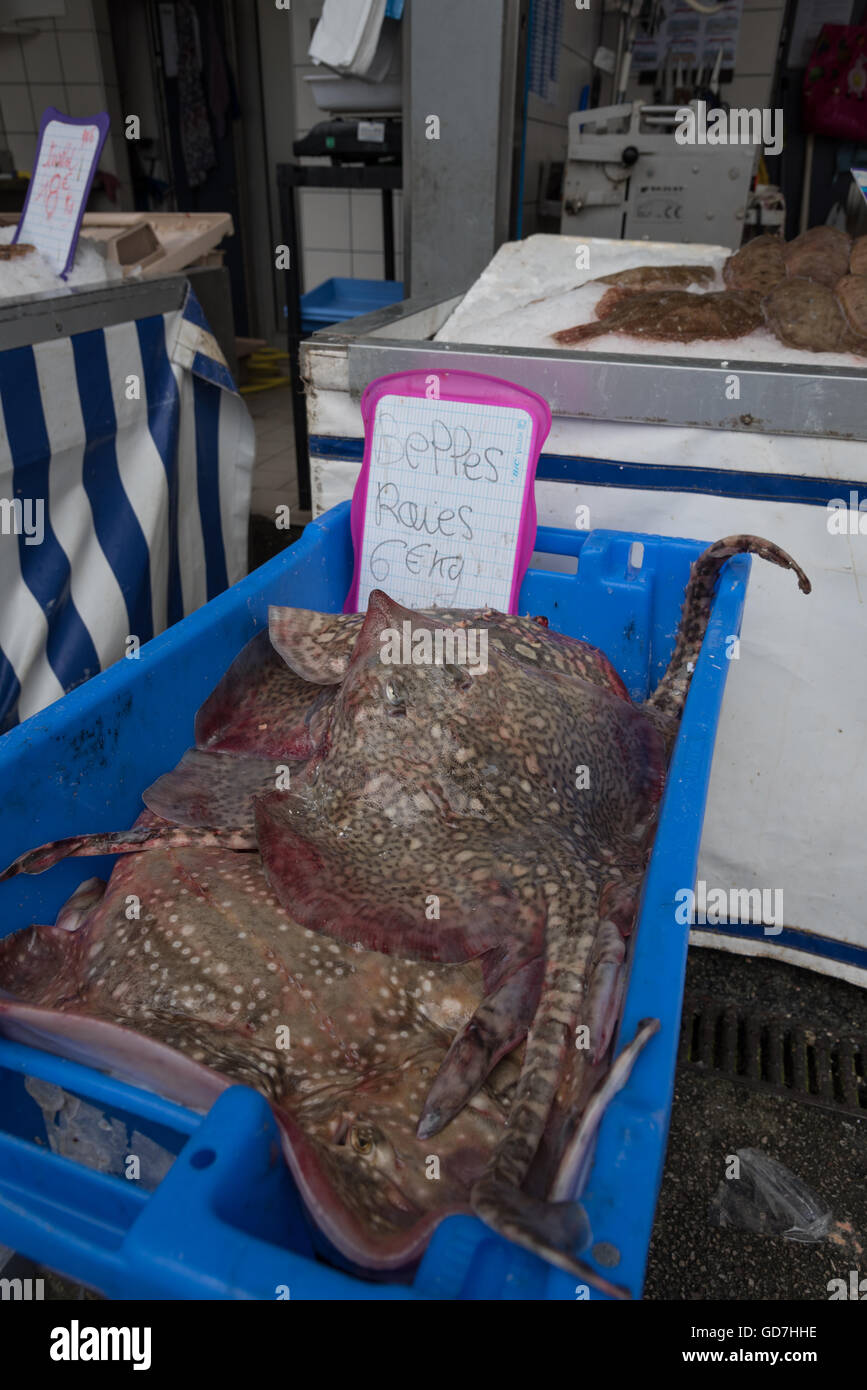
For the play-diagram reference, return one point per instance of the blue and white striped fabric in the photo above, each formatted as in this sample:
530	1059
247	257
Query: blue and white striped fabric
144	493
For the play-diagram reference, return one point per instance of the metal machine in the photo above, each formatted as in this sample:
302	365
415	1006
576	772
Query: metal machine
627	177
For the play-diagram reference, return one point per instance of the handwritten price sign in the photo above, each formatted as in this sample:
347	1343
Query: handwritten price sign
443	514
66	160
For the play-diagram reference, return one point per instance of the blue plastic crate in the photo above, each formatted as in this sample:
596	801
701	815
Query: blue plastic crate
343	298
226	1222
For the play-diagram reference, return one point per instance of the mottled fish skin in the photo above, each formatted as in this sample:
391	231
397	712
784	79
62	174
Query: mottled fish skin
323	652
462	786
858	256
314	646
671	316
851	295
260	708
215	786
216	971
585	887
669	697
260	717
440	781
208	793
758	266
820	254
659	277
807	315
213	789
197	993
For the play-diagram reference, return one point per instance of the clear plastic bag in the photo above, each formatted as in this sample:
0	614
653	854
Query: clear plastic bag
768	1200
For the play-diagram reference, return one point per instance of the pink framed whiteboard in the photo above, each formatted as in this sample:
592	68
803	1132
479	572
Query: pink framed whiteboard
444	512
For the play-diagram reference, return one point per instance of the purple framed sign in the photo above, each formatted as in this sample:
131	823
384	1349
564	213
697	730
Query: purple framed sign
66	159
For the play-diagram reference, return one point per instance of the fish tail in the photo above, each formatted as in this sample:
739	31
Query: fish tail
552	1031
141	837
580	333
555	1228
670	694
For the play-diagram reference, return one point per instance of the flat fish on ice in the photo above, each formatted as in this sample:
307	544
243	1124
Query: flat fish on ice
820	253
858	256
758	266
806	314
659	277
674	316
851	295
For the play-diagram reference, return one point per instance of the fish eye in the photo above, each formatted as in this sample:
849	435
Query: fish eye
394	693
362	1140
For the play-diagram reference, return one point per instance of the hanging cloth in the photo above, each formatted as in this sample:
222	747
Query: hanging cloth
197	142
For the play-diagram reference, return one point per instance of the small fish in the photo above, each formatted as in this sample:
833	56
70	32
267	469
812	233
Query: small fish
659	277
670	316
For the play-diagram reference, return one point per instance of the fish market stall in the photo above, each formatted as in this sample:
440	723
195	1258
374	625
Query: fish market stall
696	439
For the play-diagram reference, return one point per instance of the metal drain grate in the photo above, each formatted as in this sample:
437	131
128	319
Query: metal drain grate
776	1055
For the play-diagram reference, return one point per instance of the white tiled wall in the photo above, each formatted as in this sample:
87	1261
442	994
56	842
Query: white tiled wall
68	64
341	229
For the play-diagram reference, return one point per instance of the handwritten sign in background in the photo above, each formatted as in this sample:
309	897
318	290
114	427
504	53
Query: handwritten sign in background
445	500
66	159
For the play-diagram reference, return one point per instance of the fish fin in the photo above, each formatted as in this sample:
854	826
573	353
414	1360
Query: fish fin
551	1230
260	708
580	333
316	646
504	1018
86	896
32	957
140	837
575	1161
113	1048
670	694
396	893
497	1026
601	1004
576	994
211	788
